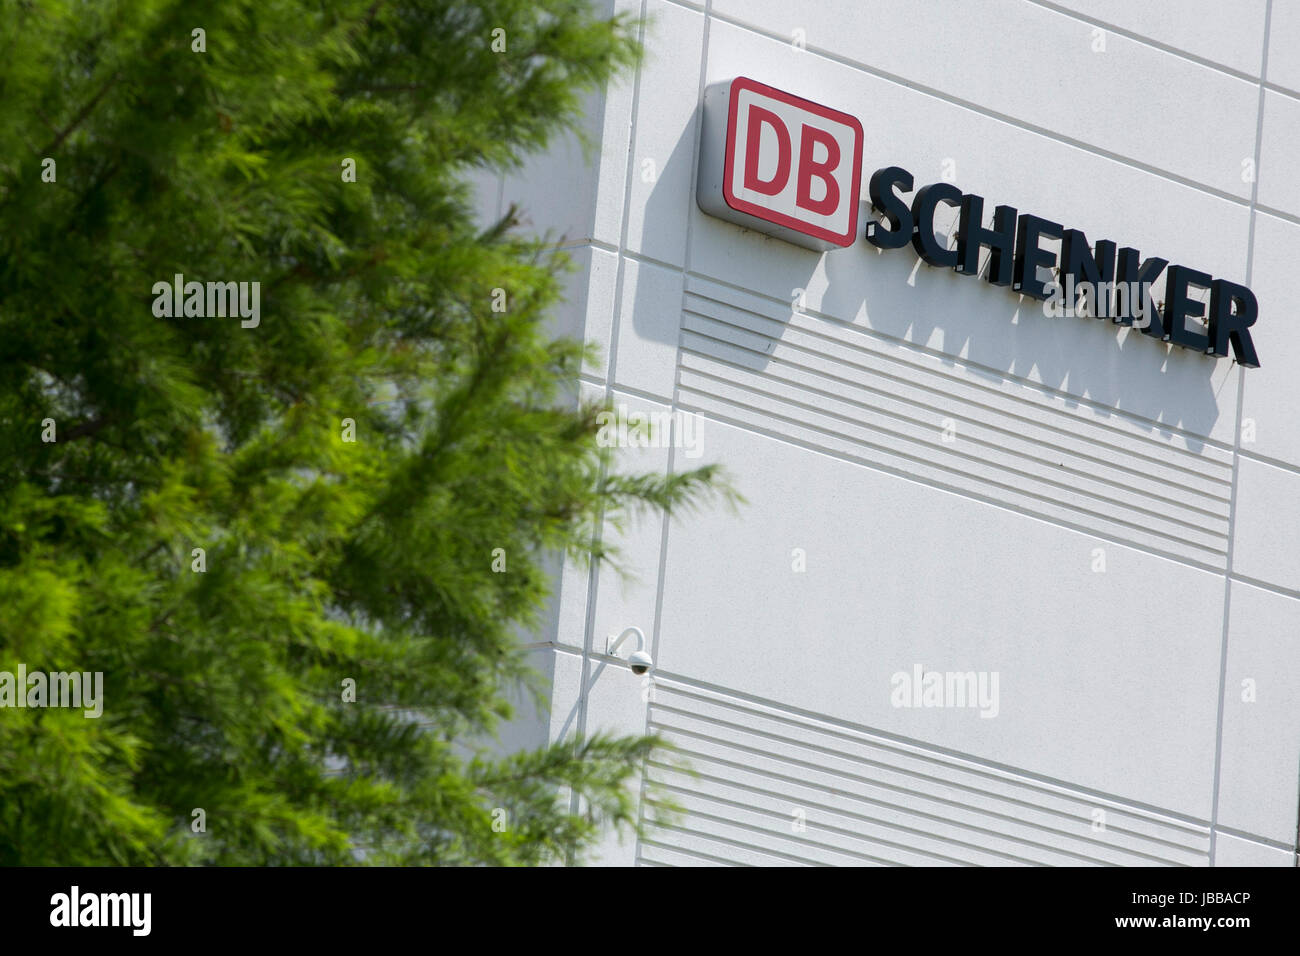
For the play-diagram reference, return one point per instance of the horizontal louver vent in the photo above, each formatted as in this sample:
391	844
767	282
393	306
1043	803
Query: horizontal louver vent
756	772
838	388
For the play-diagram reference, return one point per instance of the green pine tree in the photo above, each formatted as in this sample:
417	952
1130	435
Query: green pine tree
200	528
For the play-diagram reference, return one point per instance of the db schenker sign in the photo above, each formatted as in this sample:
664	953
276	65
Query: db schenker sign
792	168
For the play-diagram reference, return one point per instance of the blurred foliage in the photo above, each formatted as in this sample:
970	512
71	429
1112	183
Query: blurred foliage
325	559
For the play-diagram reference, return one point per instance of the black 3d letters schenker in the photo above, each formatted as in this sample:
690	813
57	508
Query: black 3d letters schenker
1015	256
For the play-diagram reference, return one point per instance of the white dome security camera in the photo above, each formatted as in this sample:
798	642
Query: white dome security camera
638	660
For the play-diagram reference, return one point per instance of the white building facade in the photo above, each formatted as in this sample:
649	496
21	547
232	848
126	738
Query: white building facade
1008	587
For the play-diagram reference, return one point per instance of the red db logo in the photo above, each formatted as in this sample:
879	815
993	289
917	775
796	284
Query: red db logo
780	164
